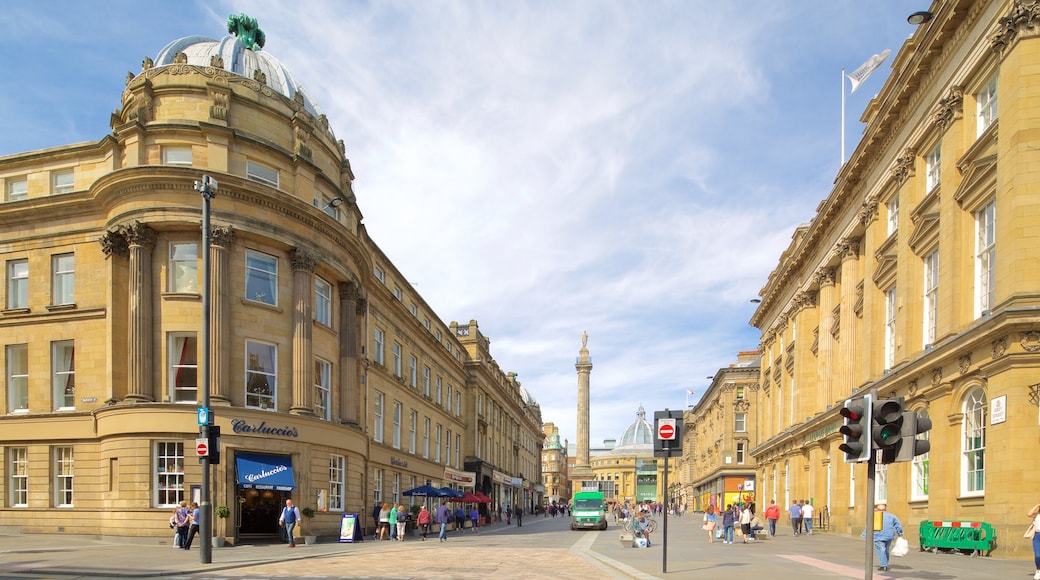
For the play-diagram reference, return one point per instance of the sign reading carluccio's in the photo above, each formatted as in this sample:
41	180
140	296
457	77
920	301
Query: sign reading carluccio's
261	428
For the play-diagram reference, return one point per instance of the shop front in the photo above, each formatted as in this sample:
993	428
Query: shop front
263	483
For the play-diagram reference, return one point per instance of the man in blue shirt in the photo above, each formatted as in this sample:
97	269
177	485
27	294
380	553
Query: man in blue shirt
193	528
884	534
796	516
289	518
443	517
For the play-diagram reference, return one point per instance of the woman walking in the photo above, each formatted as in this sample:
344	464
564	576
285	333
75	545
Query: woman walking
711	521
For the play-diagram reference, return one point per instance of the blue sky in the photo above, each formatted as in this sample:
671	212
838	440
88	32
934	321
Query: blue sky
632	169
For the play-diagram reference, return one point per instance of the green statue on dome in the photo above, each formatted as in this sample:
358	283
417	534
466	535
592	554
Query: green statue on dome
247	30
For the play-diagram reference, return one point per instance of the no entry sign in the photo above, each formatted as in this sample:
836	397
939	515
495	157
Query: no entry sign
666	429
202	447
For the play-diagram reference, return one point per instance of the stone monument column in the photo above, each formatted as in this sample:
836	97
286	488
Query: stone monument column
141	241
348	397
303	264
221	239
583	468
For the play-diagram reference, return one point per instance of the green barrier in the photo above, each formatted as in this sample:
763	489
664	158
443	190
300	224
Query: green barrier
978	537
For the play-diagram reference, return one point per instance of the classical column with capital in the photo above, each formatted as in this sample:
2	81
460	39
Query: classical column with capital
847	343
141	241
221	239
583	469
303	263
825	340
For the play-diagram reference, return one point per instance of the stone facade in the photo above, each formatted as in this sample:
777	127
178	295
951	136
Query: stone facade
321	352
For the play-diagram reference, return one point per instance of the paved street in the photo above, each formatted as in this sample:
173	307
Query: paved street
543	547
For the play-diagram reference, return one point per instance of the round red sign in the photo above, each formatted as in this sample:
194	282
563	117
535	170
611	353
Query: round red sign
202	448
666	431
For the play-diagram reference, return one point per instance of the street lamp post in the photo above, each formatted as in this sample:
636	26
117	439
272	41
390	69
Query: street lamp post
208	188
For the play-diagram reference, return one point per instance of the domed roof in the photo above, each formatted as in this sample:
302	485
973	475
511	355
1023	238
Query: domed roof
639	435
526	396
237	60
553	442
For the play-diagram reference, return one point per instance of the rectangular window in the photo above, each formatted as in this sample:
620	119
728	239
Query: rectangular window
396	349
378	343
426	381
17	378
63	268
397	293
437	444
64	475
931	296
413	425
741	452
447	400
62	181
890	327
17	189
184	267
176	155
380	275
932	168
329	205
987	103
893	214
458	447
740	393
740	422
63	373
337	482
18	284
322	301
440	382
184	367
975	419
985	257
919	473
322	389
447	448
414	310
377	479
18	478
398	416
413	371
169	470
261	278
397	488
881	483
426	438
458	403
377	415
262	173
261	375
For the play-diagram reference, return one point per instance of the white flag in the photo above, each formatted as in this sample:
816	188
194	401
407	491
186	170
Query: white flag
866	69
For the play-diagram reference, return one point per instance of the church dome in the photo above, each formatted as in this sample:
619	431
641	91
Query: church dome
639	435
238	59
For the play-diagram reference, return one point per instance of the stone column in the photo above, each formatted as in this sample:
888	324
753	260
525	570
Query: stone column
303	263
141	241
113	245
825	340
349	397
221	239
583	469
846	370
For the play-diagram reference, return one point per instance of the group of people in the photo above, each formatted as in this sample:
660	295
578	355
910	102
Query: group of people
185	520
392	521
742	514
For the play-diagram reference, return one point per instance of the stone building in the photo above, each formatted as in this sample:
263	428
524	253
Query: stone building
717	468
918	277
554	466
332	380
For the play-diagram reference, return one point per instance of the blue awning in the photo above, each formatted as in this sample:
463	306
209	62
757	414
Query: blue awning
262	471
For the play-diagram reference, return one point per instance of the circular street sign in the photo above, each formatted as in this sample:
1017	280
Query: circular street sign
666	431
202	448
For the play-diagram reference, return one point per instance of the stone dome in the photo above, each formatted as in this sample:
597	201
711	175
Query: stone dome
526	396
638	436
238	60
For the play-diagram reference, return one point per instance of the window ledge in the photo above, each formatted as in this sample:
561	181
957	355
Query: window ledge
15	311
181	296
270	307
60	307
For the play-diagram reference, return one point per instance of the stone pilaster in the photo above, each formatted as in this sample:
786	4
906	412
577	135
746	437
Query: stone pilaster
349	396
221	240
825	340
303	263
141	241
848	355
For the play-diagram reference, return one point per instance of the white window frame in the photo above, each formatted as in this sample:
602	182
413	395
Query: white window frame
413	426
380	275
985	257
414	310
63	279
262	270
413	371
439	385
176	155
63	181
258	399
458	403
377	489
397	418
256	171
323	389
893	214
919	470
179	345
973	442
426	381
63	374
17	189
184	268
18	283
458	448
986	100
740	422
880	482
741	453
17	359
64	477
322	301
397	489
169	473
378	344
426	438
931	297
18	476
438	438
890	326
447	447
378	404
337	482
397	294
933	168
447	400
397	353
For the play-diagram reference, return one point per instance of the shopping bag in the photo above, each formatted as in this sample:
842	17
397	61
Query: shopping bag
900	547
641	542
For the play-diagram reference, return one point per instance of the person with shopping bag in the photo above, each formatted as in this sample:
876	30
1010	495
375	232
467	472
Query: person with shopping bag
887	528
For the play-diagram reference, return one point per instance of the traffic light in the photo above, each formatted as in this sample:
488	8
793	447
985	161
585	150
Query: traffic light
887	427
214	445
909	445
856	429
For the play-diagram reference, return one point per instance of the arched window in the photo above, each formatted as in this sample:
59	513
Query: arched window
919	470
973	481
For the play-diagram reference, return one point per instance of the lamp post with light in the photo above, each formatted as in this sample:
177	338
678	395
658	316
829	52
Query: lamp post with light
208	188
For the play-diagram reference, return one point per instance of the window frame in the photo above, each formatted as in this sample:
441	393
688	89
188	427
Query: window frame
188	283
413	427
256	399
17	353
891	306
14	193
255	275
18	476
919	469
397	418
933	168
337	483
986	105
176	364
63	373
59	184
174	155
398	353
18	284
975	411
378	408
740	422
985	257
255	171
323	389
322	301
63	279
168	481
413	371
426	438
931	297
64	477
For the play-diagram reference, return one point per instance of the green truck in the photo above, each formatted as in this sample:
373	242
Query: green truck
588	511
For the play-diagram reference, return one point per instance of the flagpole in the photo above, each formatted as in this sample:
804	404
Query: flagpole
842	119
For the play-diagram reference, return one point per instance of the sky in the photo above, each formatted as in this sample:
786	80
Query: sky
630	169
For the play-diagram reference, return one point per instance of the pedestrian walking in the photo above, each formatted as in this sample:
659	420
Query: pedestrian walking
193	527
1035	514
402	522
795	511
711	521
519	513
807	515
384	521
288	519
745	524
772	515
424	520
442	518
474	519
886	528
728	520
182	519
